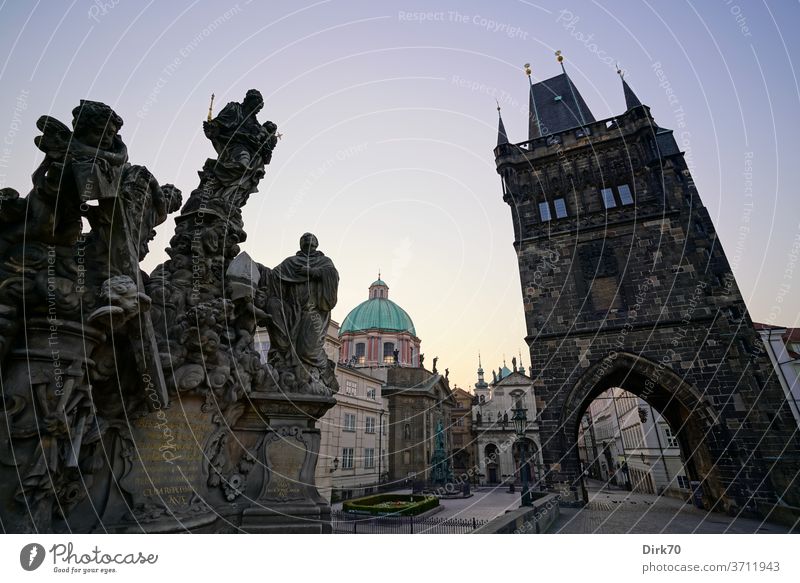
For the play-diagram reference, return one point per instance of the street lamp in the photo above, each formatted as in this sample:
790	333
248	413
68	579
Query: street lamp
335	465
520	420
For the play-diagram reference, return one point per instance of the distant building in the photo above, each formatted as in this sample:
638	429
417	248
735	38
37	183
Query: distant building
783	348
629	444
463	443
418	400
497	447
378	333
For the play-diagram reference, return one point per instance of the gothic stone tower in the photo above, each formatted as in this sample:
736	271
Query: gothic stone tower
625	284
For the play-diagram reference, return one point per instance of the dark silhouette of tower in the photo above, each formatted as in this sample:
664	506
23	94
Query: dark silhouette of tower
625	284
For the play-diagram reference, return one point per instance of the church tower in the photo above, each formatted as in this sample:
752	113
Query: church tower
625	284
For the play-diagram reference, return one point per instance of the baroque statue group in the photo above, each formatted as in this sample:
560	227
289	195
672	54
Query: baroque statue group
135	402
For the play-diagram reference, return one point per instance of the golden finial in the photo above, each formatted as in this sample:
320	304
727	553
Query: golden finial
210	107
620	72
559	57
498	105
527	69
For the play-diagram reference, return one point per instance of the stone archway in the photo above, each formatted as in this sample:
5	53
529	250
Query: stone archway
710	456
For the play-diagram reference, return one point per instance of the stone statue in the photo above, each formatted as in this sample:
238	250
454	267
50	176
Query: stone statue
447	373
441	471
435	360
514	363
303	291
239	139
396	355
421	359
494	377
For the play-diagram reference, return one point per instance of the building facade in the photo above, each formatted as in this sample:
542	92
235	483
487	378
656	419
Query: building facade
631	445
625	284
419	401
462	439
782	346
353	457
498	449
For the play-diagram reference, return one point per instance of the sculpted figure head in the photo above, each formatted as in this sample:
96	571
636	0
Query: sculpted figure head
253	102
308	243
95	124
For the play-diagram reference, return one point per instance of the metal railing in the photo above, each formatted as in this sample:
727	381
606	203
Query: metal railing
347	523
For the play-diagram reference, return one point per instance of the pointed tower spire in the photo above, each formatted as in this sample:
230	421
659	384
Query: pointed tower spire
502	137
560	59
631	100
481	382
533	115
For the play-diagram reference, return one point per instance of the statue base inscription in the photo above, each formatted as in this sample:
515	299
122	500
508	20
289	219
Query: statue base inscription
285	497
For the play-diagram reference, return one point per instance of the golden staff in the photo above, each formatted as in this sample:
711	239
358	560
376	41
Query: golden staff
210	106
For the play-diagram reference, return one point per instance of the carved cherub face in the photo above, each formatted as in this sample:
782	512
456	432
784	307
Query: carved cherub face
121	291
95	124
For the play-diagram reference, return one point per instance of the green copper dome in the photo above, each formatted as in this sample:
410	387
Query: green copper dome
378	313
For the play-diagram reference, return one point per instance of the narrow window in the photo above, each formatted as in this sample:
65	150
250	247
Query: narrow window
625	196
608	198
544	211
561	208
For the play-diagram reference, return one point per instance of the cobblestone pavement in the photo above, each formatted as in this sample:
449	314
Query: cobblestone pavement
619	511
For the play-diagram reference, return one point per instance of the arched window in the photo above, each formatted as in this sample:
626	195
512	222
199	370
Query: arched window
388	352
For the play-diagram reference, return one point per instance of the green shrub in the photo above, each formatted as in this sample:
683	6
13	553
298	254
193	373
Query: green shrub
391	504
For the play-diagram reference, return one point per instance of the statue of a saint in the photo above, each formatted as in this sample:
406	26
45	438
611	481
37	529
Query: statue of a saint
303	291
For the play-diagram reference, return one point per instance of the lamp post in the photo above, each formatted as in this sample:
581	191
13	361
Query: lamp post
520	425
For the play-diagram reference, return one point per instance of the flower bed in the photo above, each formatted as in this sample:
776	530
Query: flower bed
391	504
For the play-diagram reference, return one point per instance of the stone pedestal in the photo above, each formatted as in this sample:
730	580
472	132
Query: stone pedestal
281	488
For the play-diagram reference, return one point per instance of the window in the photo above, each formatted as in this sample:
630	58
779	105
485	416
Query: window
608	198
561	208
388	352
460	422
349	422
361	350
625	196
371	393
683	482
347	458
350	387
370	425
544	211
672	440
794	346
369	457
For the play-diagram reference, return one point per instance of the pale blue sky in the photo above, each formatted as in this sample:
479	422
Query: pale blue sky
389	123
